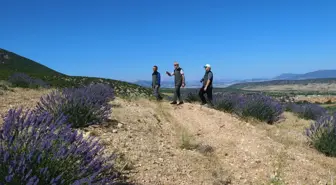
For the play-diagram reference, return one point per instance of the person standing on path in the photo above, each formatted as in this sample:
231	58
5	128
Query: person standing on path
156	83
207	85
179	82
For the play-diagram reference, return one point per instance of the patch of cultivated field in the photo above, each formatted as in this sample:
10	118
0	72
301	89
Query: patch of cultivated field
319	87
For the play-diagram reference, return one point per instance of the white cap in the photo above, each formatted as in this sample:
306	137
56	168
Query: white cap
207	65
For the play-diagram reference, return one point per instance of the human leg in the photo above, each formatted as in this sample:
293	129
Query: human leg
209	95
201	95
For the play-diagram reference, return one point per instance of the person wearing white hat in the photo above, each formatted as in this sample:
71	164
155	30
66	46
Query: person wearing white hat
207	85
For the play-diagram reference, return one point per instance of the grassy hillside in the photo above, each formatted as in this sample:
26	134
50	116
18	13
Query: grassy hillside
11	63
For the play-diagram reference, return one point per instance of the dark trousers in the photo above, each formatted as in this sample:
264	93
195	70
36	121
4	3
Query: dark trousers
156	92
208	92
177	93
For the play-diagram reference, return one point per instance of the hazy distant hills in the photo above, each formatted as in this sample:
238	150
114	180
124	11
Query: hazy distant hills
311	75
288	77
197	83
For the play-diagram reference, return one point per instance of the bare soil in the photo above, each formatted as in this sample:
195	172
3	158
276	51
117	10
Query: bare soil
159	144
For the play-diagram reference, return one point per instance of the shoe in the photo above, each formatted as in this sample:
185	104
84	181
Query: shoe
174	102
180	103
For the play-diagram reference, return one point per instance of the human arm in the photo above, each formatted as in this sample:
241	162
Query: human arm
207	84
169	74
158	79
210	76
183	78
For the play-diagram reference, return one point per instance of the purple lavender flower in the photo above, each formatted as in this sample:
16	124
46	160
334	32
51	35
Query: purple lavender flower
307	110
322	134
52	155
226	101
82	106
259	106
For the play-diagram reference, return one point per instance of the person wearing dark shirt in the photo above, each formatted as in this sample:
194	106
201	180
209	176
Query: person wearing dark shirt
207	86
156	83
179	82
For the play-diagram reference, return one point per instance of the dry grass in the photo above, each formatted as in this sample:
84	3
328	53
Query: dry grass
317	99
20	98
149	145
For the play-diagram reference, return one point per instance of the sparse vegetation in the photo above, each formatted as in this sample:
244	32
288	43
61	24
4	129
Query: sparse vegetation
322	134
25	81
187	141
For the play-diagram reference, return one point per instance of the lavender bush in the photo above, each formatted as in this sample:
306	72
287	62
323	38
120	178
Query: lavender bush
322	134
83	106
261	107
25	81
192	97
42	150
226	102
307	110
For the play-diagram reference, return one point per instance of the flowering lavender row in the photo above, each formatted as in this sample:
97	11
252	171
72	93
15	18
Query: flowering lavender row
255	105
227	102
24	80
260	106
82	106
42	150
306	110
322	134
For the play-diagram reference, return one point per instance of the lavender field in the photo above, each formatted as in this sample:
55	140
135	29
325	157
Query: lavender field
68	136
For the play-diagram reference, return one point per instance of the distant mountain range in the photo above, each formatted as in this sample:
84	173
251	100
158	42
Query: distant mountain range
319	74
311	75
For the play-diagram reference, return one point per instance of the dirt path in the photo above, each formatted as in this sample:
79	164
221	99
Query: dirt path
155	139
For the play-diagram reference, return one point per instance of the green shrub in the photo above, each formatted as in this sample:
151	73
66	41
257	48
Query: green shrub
322	134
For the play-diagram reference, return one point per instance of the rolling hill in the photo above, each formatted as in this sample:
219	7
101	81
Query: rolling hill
11	63
286	76
284	82
324	74
315	77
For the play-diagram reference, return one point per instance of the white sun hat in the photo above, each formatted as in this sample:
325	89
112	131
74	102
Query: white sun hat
207	65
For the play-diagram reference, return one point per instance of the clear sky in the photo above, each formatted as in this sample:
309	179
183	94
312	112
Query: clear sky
123	39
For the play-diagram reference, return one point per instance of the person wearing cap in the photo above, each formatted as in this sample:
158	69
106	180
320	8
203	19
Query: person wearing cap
179	82
156	82
207	85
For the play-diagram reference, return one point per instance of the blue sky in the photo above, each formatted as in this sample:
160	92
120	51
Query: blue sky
123	39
